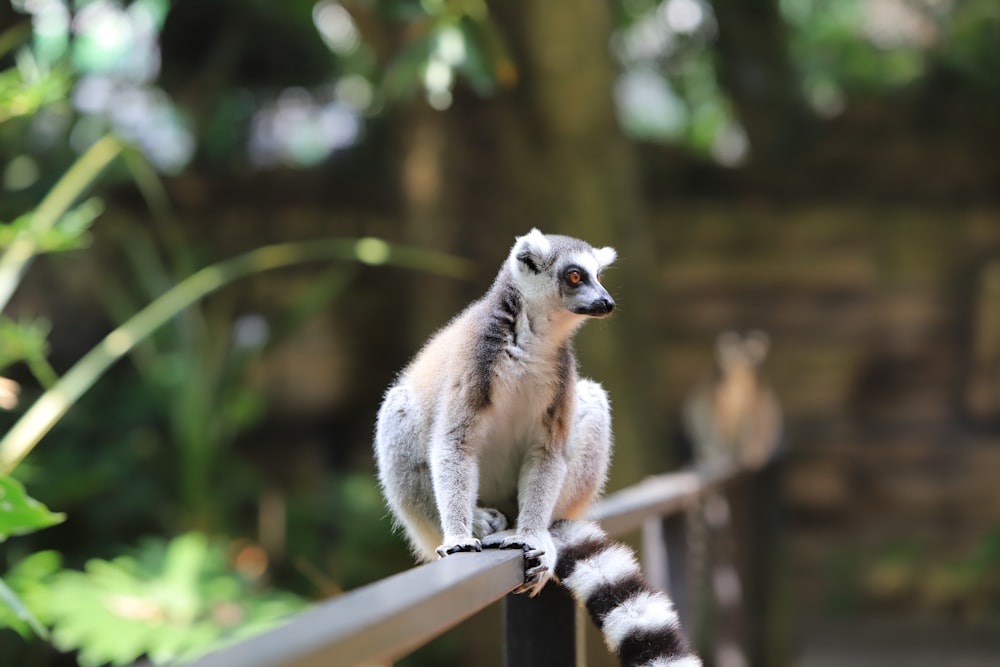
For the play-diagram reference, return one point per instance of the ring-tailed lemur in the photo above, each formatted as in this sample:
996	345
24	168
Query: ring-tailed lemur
490	421
732	415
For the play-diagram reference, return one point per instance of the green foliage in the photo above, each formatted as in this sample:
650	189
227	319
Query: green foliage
366	546
851	46
449	39
170	601
21	514
25	592
23	91
26	341
195	369
68	232
969	42
668	89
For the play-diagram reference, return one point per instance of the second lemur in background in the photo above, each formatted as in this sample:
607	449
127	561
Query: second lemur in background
733	413
732	417
490	424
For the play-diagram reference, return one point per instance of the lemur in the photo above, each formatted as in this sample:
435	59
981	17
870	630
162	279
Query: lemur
490	421
733	413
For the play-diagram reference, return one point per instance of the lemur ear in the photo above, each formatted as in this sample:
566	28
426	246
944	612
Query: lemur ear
530	252
757	345
605	256
727	347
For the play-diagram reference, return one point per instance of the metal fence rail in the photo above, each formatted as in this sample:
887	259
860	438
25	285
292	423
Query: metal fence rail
390	618
383	620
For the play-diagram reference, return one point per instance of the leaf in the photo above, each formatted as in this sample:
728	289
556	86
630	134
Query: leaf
20	514
23	98
404	75
10	599
23	596
22	340
69	232
488	64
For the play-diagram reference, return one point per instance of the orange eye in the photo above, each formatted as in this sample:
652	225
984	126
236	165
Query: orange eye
574	277
600	279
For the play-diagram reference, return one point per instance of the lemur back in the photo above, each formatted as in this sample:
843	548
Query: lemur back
491	422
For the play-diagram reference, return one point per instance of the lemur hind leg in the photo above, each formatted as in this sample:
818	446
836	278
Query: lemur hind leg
404	473
487	521
589	451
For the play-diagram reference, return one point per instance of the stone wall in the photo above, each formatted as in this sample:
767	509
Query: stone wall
885	355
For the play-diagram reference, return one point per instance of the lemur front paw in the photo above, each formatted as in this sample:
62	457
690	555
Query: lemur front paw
454	545
539	556
487	521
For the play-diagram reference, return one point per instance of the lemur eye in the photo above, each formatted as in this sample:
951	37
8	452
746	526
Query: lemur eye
600	279
574	277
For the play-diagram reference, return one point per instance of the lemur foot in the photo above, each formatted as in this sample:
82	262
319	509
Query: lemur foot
452	546
487	521
539	556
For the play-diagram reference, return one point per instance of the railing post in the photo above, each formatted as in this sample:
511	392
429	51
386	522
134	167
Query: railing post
766	555
665	557
542	631
726	605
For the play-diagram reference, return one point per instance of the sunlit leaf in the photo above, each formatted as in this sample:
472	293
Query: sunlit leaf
20	514
22	98
68	232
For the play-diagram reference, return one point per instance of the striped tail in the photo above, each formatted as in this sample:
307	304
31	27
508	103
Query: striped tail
638	622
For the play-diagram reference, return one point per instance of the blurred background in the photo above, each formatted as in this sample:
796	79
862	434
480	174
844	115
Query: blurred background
826	172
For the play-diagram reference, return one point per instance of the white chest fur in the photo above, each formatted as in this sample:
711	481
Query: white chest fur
525	383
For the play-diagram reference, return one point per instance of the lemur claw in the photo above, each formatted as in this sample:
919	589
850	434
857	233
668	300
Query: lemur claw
534	572
537	565
470	544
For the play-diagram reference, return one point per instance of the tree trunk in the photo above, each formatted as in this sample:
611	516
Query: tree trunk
756	71
549	154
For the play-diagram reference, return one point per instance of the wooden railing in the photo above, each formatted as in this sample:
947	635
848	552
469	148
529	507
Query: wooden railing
731	513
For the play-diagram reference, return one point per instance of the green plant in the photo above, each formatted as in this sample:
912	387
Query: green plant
20	515
169	600
54	403
172	598
58	223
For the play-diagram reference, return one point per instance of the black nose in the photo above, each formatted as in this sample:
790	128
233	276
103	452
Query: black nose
596	308
602	307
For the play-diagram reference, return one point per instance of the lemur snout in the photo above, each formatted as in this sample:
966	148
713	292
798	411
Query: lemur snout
600	307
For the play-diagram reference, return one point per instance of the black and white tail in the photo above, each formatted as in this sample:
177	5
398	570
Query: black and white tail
639	623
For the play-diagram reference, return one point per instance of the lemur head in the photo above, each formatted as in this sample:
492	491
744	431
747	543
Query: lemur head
561	271
734	350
